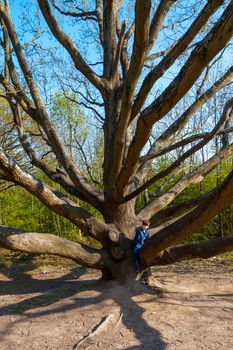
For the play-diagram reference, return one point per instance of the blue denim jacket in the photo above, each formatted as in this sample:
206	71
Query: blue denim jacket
140	236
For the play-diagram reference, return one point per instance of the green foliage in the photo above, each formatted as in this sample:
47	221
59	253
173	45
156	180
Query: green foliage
20	209
67	116
221	225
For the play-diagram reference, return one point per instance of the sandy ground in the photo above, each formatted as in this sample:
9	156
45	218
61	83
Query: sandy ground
68	310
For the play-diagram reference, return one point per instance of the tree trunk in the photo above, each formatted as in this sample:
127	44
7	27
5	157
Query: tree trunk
122	216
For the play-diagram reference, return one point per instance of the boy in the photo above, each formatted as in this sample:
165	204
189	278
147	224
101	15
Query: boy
141	235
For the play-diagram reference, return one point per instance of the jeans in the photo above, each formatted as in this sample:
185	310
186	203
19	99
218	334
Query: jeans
137	262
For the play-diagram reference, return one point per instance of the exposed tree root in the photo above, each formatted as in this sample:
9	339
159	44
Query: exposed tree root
95	330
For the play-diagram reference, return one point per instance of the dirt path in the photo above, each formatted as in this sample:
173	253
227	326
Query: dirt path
49	311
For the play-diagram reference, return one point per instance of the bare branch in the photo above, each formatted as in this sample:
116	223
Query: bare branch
84	104
221	199
173	210
81	14
40	115
184	118
66	42
52	199
226	115
182	143
203	250
142	11
157	21
115	71
163	145
124	55
195	176
34	242
156	55
168	60
10	72
55	176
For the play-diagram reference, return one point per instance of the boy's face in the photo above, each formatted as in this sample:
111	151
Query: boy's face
145	226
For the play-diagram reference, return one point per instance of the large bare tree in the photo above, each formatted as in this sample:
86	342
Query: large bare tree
121	89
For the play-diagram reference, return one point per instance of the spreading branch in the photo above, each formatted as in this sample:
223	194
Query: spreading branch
77	14
226	115
194	177
173	54
174	209
157	21
203	250
54	200
34	242
221	199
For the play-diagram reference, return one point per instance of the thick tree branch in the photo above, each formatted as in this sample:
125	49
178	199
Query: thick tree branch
221	199
173	54
226	115
157	21
184	118
173	210
195	176
160	151
203	250
169	222
10	72
6	47
45	243
206	50
141	36
54	200
165	143
109	37
99	15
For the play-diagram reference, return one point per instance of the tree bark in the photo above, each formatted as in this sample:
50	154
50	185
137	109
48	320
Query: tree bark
44	243
203	250
221	198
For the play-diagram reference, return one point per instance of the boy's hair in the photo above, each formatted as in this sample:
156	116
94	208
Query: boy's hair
146	222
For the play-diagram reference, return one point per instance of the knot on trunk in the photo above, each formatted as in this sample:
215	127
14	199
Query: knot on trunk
113	235
117	252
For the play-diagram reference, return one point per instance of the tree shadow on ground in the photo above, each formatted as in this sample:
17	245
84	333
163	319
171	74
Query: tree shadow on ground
53	290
